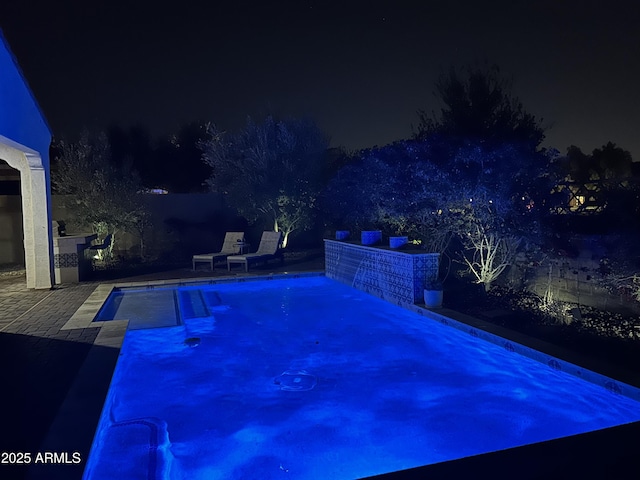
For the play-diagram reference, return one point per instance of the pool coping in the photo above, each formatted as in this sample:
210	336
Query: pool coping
83	316
609	376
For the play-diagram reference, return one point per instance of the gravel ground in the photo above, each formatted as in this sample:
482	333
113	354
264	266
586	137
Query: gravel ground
611	336
10	270
607	324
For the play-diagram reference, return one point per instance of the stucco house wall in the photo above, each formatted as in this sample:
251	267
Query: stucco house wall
24	144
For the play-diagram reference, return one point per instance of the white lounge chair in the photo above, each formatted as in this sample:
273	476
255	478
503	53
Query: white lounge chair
269	248
230	246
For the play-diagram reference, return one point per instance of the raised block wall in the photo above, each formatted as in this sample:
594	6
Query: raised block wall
395	276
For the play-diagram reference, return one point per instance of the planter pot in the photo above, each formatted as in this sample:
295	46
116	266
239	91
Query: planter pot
433	298
398	242
371	237
342	234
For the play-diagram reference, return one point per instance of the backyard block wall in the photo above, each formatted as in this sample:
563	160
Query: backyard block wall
575	278
191	210
573	281
195	211
395	276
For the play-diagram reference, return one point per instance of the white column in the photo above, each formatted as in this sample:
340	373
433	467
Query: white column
36	212
36	208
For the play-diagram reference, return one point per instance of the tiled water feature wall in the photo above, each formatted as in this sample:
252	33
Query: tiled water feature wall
395	276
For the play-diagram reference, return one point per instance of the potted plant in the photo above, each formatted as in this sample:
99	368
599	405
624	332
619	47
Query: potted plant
371	237
433	292
398	242
342	234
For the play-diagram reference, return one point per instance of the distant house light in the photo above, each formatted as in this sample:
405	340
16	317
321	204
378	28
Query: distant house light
577	202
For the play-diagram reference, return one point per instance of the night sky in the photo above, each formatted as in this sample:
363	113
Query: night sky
361	69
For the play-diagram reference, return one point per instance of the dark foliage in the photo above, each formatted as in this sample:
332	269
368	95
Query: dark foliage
597	193
478	106
173	163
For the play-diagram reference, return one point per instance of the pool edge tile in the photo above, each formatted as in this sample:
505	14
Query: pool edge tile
615	380
112	333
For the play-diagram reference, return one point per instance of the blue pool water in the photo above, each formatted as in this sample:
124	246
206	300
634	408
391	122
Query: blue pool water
310	379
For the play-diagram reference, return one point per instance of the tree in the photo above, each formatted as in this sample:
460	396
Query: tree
498	205
178	160
475	173
270	170
354	197
483	196
490	239
132	149
100	195
396	188
173	163
478	105
488	146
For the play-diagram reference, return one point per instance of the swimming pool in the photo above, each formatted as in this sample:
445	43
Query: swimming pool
311	378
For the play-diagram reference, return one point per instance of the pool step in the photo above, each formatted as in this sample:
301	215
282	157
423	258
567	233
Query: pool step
144	309
144	442
192	304
212	298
